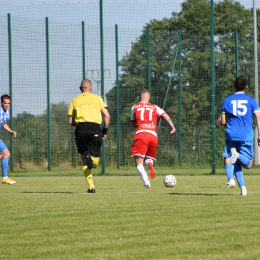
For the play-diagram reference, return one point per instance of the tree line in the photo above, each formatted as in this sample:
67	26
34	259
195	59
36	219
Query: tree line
193	20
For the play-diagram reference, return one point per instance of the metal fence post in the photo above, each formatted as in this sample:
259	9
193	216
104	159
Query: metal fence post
10	90
212	86
179	97
48	94
102	78
37	144
199	145
83	50
117	102
148	62
256	149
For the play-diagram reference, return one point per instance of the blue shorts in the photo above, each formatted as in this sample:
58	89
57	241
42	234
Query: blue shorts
2	146
243	147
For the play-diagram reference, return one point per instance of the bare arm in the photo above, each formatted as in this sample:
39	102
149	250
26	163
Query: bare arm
72	121
8	129
170	123
223	120
104	111
257	115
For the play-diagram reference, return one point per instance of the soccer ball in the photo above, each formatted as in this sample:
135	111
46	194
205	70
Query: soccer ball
169	181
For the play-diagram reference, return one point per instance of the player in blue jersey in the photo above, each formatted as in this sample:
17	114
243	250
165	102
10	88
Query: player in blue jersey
237	111
5	154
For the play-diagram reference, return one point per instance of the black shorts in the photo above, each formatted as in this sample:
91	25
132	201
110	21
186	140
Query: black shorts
89	138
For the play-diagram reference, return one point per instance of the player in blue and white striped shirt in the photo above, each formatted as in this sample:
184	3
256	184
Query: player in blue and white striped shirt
5	154
237	111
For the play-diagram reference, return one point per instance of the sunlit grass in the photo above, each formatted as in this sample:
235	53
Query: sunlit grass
67	170
54	218
109	171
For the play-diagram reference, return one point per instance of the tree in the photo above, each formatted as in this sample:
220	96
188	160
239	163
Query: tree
30	146
194	22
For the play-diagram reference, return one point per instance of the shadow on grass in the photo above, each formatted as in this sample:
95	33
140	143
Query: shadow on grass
48	192
200	194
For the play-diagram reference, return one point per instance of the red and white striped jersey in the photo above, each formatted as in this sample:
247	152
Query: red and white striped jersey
145	115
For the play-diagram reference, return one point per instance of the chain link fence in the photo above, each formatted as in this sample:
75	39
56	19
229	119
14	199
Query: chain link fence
41	94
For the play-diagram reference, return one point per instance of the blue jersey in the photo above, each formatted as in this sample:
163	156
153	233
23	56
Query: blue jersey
4	116
239	109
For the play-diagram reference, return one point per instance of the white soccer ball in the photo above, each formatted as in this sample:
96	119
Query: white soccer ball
169	181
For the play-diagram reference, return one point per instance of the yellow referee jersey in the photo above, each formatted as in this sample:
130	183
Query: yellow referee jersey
87	108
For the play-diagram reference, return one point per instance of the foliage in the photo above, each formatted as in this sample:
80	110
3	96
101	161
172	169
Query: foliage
32	138
196	106
193	122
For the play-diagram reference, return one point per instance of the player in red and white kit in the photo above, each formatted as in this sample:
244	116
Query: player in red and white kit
144	119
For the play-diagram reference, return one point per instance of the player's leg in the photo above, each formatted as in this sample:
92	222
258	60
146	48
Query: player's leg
95	161
139	161
88	172
4	163
88	159
87	134
151	154
228	166
88	175
242	159
229	172
245	155
240	179
138	151
149	163
93	142
92	146
83	140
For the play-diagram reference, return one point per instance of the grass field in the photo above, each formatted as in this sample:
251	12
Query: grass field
67	170
54	218
109	171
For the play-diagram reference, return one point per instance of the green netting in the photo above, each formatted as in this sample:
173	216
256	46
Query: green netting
29	76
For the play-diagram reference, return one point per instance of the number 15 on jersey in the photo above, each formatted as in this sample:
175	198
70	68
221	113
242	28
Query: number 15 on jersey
239	104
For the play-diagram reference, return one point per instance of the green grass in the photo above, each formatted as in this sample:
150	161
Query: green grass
109	171
54	218
67	170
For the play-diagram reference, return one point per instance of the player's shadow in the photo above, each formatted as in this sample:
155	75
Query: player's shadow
199	194
48	192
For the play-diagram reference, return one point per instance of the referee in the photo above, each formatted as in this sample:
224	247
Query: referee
85	113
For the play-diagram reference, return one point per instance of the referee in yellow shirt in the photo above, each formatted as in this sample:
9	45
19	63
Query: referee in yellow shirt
85	113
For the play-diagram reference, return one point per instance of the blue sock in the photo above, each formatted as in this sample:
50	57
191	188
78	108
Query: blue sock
239	175
4	167
245	162
229	171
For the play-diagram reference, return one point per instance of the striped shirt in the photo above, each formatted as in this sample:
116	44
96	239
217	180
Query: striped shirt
4	116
